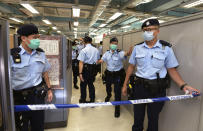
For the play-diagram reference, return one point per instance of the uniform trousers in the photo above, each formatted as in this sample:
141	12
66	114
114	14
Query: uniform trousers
75	69
153	109
88	77
117	87
27	119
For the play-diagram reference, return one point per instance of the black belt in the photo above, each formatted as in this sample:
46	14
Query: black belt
29	90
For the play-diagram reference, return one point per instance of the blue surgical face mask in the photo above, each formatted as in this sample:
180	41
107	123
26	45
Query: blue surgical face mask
148	35
113	47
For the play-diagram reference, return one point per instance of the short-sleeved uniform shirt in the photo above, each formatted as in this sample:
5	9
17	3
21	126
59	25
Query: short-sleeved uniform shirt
28	73
114	60
74	54
89	54
153	60
80	47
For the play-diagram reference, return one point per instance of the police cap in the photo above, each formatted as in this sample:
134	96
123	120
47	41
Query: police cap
114	39
27	29
150	22
87	39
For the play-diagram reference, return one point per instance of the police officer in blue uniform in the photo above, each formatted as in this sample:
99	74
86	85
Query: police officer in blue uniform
115	73
29	68
75	64
80	45
153	58
87	69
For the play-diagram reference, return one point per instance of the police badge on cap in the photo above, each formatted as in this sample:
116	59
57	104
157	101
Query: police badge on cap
150	22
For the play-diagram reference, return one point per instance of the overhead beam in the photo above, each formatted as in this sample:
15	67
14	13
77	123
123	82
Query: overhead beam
127	4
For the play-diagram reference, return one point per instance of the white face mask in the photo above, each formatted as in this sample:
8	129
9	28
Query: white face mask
148	35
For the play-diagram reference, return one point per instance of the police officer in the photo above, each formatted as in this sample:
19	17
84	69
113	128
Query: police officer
75	64
87	68
29	67
115	72
153	58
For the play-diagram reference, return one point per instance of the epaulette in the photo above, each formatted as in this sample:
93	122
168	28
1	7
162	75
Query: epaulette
40	50
118	50
164	43
15	55
139	43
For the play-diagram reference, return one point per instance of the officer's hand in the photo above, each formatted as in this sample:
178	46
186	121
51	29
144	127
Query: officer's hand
124	90
130	50
50	96
81	78
190	89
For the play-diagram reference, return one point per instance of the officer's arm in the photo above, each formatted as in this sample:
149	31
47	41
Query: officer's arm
46	78
80	66
128	53
176	76
100	61
129	72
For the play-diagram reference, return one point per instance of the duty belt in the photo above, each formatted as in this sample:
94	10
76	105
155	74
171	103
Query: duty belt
30	90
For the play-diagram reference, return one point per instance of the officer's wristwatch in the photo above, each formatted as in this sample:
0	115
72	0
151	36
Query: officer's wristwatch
182	86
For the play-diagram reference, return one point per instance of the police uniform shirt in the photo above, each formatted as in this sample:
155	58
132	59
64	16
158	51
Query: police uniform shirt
28	73
100	50
80	47
74	54
89	54
114	60
153	60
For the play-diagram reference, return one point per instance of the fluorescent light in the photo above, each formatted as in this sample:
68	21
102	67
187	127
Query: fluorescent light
102	25
55	28
75	29
127	26
10	26
42	30
113	31
76	12
47	21
153	17
58	31
17	20
162	21
30	8
116	15
75	35
76	23
194	4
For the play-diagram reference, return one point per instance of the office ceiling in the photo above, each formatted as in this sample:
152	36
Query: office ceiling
94	13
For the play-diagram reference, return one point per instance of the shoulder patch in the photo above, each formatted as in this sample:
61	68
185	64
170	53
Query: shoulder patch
164	43
15	55
139	43
40	50
118	50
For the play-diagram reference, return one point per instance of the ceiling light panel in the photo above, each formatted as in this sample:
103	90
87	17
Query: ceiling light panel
54	28
76	23
102	25
30	8
47	21
194	4
76	11
16	20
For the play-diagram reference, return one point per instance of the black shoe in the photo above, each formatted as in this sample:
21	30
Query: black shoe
92	101
117	111
76	87
82	101
107	98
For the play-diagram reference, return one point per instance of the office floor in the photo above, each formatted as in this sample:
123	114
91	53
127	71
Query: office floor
98	118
